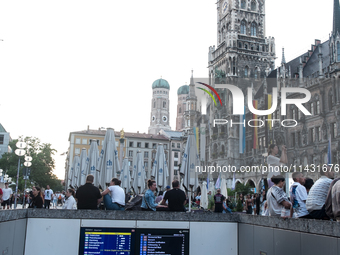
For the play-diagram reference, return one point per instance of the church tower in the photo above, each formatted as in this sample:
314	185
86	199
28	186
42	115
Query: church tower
182	94
160	104
242	49
334	40
191	113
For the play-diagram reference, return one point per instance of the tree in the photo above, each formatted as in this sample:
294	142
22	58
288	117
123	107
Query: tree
41	173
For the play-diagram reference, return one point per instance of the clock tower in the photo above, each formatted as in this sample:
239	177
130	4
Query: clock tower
160	116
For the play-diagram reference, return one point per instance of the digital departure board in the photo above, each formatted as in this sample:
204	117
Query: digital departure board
107	241
162	241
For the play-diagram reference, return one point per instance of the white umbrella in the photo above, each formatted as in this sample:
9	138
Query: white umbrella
70	174
204	195
82	168
212	186
139	175
108	163
125	176
92	161
188	168
224	190
76	167
160	170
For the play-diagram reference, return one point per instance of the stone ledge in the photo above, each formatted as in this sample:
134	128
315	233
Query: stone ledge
326	228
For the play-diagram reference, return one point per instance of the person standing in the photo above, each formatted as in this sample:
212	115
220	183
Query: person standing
1	194
249	204
218	198
274	162
6	197
88	196
48	197
298	196
37	198
176	198
70	202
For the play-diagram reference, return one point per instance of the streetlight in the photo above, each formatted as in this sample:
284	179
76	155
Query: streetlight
27	164
20	152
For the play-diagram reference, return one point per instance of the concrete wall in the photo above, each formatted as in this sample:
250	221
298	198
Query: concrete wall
37	231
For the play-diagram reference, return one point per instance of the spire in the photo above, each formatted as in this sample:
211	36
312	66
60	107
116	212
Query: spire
283	61
192	78
336	17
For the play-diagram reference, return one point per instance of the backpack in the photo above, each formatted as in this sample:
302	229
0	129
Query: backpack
134	204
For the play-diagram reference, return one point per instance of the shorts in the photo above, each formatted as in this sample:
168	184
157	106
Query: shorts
5	202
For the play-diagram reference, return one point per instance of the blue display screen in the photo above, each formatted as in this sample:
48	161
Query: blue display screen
107	241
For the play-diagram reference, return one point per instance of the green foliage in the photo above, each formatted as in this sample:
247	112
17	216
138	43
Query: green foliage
42	164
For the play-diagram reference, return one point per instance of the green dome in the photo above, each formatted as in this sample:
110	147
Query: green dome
161	84
183	90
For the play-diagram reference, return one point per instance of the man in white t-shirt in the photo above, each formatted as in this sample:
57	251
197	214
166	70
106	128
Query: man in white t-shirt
48	196
6	197
317	196
298	196
274	162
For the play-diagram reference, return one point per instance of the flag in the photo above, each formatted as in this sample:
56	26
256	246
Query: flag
202	141
329	152
242	133
233	184
269	118
208	182
255	142
218	182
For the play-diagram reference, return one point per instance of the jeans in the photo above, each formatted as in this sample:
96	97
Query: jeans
111	206
47	204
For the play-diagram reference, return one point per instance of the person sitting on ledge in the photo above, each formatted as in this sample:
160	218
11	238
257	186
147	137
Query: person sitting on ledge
114	196
277	199
176	198
317	195
88	196
148	201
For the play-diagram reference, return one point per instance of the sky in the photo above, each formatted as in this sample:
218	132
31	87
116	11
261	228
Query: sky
68	64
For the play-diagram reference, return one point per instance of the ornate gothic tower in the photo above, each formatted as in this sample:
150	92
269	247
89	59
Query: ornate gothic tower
182	94
159	118
242	49
334	40
191	113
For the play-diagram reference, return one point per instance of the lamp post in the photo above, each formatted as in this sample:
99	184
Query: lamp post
20	152
27	164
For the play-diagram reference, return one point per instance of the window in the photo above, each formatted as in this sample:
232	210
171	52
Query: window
318	133
130	162
293	114
153	154
243	27
318	107
173	145
154	146
312	108
2	139
175	172
180	110
178	145
164	104
260	143
175	163
338	50
253	5
77	140
84	141
312	135
176	155
246	46
146	154
130	144
243	4
130	153
264	142
253	29
299	138
146	145
330	100
77	151
165	146
246	72
139	145
146	164
333	130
